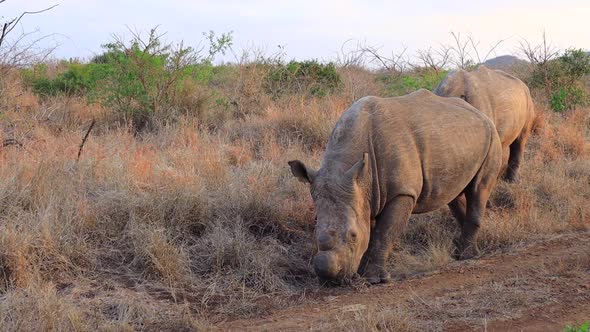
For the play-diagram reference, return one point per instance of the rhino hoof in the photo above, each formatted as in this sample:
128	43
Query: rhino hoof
462	252
510	178
379	278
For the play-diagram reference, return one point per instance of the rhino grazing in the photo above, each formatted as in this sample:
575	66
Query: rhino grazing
388	158
505	99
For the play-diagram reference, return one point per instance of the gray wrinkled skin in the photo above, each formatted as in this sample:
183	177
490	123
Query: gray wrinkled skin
505	99
388	158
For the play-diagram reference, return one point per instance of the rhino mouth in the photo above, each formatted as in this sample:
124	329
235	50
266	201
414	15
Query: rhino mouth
327	264
330	269
343	281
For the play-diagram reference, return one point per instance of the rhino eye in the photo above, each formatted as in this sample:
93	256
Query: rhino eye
353	236
463	97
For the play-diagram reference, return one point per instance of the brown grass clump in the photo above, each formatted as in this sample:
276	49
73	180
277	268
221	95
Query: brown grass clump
358	83
359	317
539	123
40	308
47	307
159	256
297	123
566	136
426	246
17	271
13	96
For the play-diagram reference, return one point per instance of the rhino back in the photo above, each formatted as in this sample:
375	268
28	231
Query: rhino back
502	97
419	145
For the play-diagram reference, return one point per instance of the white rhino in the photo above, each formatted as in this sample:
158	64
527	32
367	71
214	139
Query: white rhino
505	99
388	158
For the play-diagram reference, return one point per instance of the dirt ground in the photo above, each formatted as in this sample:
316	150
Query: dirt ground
541	286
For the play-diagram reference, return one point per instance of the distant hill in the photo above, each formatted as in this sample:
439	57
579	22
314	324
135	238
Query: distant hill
504	62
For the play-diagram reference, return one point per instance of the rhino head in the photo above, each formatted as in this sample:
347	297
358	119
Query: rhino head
342	218
453	85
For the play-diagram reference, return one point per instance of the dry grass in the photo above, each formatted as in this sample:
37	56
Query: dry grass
506	299
144	233
50	307
375	318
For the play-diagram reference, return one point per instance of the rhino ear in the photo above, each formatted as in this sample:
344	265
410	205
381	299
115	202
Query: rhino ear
357	170
301	172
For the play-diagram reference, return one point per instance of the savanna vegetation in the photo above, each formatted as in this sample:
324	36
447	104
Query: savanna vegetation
179	210
582	328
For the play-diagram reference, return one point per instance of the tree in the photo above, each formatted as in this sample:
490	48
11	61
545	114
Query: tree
567	76
540	57
21	49
467	51
395	64
560	77
145	73
433	59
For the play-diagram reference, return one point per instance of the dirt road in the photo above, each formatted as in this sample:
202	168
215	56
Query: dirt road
542	286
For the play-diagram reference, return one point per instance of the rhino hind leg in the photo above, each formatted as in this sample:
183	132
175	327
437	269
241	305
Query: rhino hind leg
505	158
389	226
458	208
516	155
469	207
465	245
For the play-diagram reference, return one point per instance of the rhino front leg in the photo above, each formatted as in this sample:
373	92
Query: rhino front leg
390	224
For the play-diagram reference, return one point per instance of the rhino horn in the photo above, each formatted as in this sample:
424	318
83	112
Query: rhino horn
356	171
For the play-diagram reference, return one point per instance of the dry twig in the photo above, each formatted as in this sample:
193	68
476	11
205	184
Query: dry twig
85	138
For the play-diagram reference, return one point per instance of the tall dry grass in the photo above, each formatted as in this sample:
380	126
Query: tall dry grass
194	223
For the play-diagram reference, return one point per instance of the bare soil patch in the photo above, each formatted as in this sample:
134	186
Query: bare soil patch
541	286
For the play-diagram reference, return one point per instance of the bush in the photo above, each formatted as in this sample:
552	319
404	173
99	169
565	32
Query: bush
582	328
567	98
148	75
145	76
77	80
399	85
307	77
562	80
137	79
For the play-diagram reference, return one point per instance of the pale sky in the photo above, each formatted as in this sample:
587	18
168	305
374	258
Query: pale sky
310	28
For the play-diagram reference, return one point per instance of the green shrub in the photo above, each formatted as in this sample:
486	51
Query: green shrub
398	85
148	75
582	328
29	75
137	79
77	79
308	77
562	80
144	74
568	97
576	64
